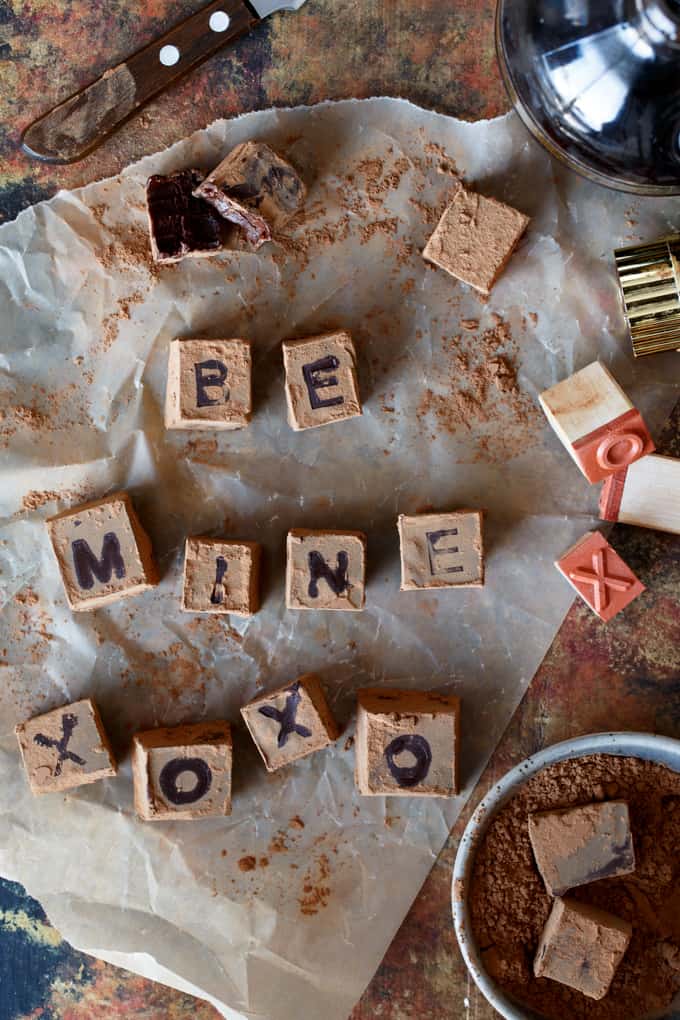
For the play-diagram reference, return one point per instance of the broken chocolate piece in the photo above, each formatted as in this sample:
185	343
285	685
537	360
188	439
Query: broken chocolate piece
179	223
251	223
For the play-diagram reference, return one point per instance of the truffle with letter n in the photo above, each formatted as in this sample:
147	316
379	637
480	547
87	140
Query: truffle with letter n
209	384
646	494
325	570
321	380
577	845
290	722
596	422
221	577
65	748
581	946
475	238
103	552
441	550
599	575
407	743
183	773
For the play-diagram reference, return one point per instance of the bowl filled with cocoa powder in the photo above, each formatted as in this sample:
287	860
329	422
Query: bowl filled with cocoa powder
566	885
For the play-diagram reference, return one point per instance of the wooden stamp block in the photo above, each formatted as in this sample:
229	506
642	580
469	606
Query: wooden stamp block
574	846
183	772
103	552
65	748
291	722
475	238
209	384
326	570
596	422
321	380
599	575
221	577
646	494
441	550
582	946
407	743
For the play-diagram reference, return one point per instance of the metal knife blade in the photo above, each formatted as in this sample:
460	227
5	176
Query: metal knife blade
80	123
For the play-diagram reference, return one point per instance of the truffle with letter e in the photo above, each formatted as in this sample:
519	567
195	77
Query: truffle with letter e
65	748
179	223
582	946
407	743
599	575
596	422
221	576
321	380
475	238
209	384
103	552
291	722
576	845
441	550
646	494
183	773
325	570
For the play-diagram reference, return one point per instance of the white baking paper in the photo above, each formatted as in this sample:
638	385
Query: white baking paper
85	331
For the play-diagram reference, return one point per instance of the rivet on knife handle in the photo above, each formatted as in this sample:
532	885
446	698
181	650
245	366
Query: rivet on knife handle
79	124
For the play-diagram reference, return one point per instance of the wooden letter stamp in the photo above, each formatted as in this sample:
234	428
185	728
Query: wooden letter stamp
407	743
441	550
321	380
646	494
209	384
291	722
183	772
596	422
103	552
326	570
65	748
221	577
599	575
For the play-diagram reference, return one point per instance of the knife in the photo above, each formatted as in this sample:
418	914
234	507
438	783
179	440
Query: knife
80	123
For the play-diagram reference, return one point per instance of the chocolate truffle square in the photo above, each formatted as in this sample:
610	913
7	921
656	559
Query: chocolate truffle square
326	570
183	773
475	238
407	743
221	577
209	384
103	552
582	946
179	223
441	550
291	722
321	380
604	581
65	748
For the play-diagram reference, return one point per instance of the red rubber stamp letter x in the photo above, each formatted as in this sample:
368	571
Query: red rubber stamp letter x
600	581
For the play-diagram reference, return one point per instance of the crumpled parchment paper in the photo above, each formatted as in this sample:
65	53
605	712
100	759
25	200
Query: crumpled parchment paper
86	322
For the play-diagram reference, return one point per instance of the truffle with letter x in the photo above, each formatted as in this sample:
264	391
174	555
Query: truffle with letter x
321	380
65	748
441	550
326	570
599	575
291	722
209	384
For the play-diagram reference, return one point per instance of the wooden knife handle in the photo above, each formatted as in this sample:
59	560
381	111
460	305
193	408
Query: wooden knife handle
80	123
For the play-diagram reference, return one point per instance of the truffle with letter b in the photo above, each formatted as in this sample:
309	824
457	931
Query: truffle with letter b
599	575
321	380
221	577
441	550
325	570
209	384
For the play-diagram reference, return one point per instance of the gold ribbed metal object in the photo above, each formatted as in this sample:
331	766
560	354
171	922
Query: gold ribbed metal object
649	277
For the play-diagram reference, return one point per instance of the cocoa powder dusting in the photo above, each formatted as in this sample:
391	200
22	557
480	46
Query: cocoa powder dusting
509	904
247	863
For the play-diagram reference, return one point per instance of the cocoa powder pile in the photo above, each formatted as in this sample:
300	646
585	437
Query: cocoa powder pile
509	904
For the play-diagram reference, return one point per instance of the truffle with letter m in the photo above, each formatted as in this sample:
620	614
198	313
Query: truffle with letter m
209	384
326	570
441	550
321	380
103	552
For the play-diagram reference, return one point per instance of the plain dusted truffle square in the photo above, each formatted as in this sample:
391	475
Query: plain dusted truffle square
65	748
183	773
577	845
103	552
407	743
209	384
475	238
321	380
604	581
441	550
582	946
221	577
326	570
291	722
